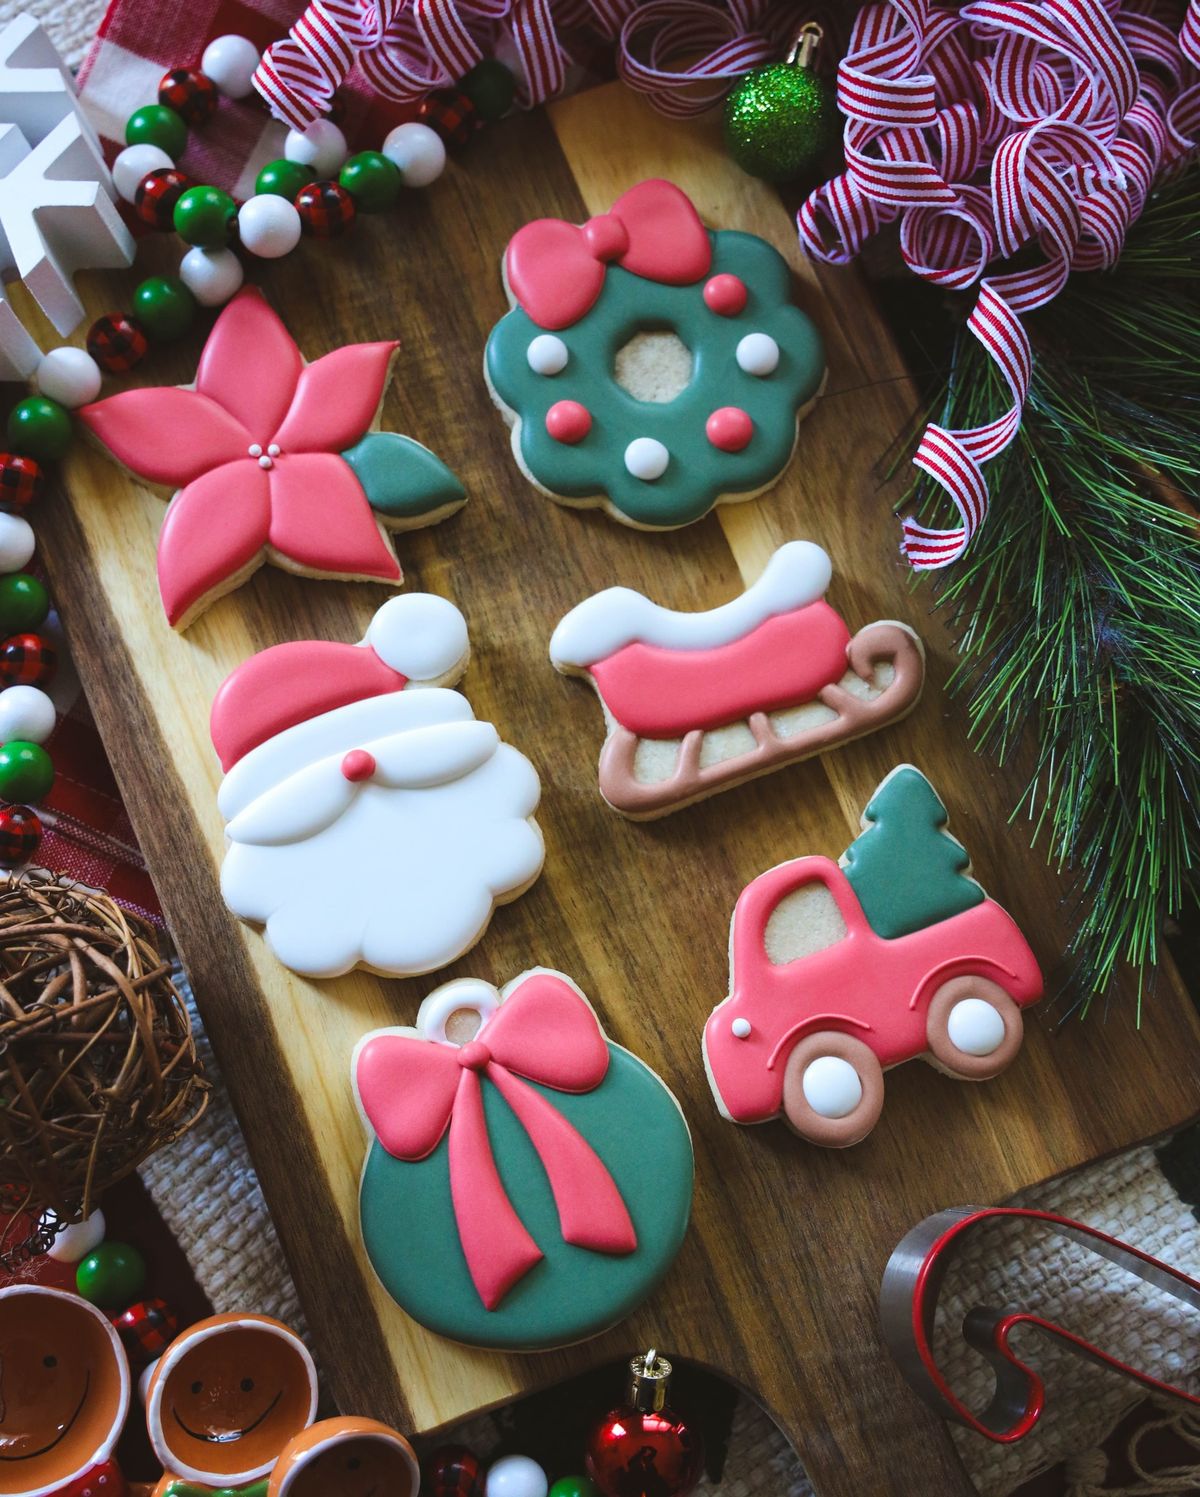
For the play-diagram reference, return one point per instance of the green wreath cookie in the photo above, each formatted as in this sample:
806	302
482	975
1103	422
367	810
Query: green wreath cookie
654	457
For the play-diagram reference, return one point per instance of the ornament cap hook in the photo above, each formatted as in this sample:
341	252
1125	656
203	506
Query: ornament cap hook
804	48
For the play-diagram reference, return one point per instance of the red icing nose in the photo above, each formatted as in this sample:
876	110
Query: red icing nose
607	236
474	1056
358	765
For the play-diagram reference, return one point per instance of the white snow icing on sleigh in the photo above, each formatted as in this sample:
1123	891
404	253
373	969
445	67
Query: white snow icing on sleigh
699	702
368	822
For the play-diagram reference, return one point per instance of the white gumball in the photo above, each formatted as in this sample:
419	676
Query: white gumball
646	458
230	62
74	1243
322	146
422	636
69	375
269	225
26	712
17	543
134	163
515	1476
211	275
418	151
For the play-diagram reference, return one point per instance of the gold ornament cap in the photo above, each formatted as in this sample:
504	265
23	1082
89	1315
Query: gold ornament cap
804	49
649	1382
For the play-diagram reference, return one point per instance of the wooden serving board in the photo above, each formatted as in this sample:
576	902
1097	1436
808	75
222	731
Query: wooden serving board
777	1281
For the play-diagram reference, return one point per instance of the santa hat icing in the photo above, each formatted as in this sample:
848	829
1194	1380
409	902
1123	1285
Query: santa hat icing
414	638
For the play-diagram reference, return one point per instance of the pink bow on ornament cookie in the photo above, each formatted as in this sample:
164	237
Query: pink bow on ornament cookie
556	269
412	1089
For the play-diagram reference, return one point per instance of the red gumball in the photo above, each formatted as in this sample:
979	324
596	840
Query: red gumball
452	1471
644	1448
27	660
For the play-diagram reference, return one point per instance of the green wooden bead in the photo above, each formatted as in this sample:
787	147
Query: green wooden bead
39	428
24	603
112	1275
575	1486
205	216
165	307
26	771
284	178
157	125
372	181
490	87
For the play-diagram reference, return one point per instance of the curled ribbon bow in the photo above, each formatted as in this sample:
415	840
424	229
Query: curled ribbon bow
556	270
412	1089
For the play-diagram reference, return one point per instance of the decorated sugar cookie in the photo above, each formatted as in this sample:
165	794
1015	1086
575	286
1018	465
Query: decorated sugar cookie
607	411
224	1400
698	702
841	970
346	1457
64	1394
273	460
528	1182
369	823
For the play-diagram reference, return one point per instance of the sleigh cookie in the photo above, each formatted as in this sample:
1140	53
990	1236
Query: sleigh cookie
700	702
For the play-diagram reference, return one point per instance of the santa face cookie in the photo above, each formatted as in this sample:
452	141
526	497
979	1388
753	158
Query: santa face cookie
839	971
528	1182
273	460
346	1457
607	411
699	702
369	823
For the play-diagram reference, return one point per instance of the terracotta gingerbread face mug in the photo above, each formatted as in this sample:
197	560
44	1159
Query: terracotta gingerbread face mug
347	1457
224	1400
64	1389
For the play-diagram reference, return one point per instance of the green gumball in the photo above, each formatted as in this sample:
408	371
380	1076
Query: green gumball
205	216
371	180
157	125
39	428
165	307
111	1275
24	603
26	771
575	1486
283	178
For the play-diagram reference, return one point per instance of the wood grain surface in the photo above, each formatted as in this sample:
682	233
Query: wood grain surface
776	1283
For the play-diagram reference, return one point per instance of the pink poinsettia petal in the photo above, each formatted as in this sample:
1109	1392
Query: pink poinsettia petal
212	531
321	521
165	434
250	364
336	399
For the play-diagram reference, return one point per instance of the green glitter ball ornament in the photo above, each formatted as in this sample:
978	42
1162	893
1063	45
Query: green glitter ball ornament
781	119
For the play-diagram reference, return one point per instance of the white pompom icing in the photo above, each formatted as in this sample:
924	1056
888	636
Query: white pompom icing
421	636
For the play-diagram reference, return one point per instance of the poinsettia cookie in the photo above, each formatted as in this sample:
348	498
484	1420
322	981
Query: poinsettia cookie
699	702
528	1182
273	460
369	823
839	971
650	365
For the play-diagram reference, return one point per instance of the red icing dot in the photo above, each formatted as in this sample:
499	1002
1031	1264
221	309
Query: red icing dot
725	295
568	421
358	765
729	428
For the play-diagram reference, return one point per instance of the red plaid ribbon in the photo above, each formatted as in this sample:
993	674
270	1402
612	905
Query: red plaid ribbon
1005	123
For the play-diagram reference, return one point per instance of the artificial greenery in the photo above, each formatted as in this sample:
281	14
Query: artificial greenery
1077	607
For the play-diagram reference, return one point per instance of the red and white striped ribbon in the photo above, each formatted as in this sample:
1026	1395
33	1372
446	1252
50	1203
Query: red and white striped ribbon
1003	124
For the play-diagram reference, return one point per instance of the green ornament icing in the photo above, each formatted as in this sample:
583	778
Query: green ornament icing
412	1241
698	473
906	869
402	479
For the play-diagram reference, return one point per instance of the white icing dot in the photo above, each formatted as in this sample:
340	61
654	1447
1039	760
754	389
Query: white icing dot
255	449
547	354
758	354
832	1087
273	449
975	1027
265	462
647	458
741	1029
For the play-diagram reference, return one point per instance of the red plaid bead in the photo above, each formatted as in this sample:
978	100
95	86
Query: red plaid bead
21	480
147	1329
20	834
452	1471
451	113
189	93
27	660
117	343
156	196
326	209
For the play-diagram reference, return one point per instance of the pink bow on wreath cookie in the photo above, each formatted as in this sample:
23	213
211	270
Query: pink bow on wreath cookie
556	269
412	1089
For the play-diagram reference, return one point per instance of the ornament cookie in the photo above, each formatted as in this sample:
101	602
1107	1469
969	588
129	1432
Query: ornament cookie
699	702
528	1182
840	970
273	460
604	409
370	823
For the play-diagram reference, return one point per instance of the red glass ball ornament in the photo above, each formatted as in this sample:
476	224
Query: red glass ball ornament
20	835
452	1471
27	660
189	93
156	196
326	209
645	1448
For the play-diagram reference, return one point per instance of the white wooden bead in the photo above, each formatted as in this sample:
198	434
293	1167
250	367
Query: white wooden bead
516	1476
17	543
69	375
74	1243
322	146
134	163
211	275
268	225
230	62
418	151
26	712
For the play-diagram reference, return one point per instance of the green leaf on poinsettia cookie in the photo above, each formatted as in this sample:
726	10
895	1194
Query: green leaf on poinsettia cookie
401	479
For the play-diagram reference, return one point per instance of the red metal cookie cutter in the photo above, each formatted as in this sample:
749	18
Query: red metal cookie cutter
908	1301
